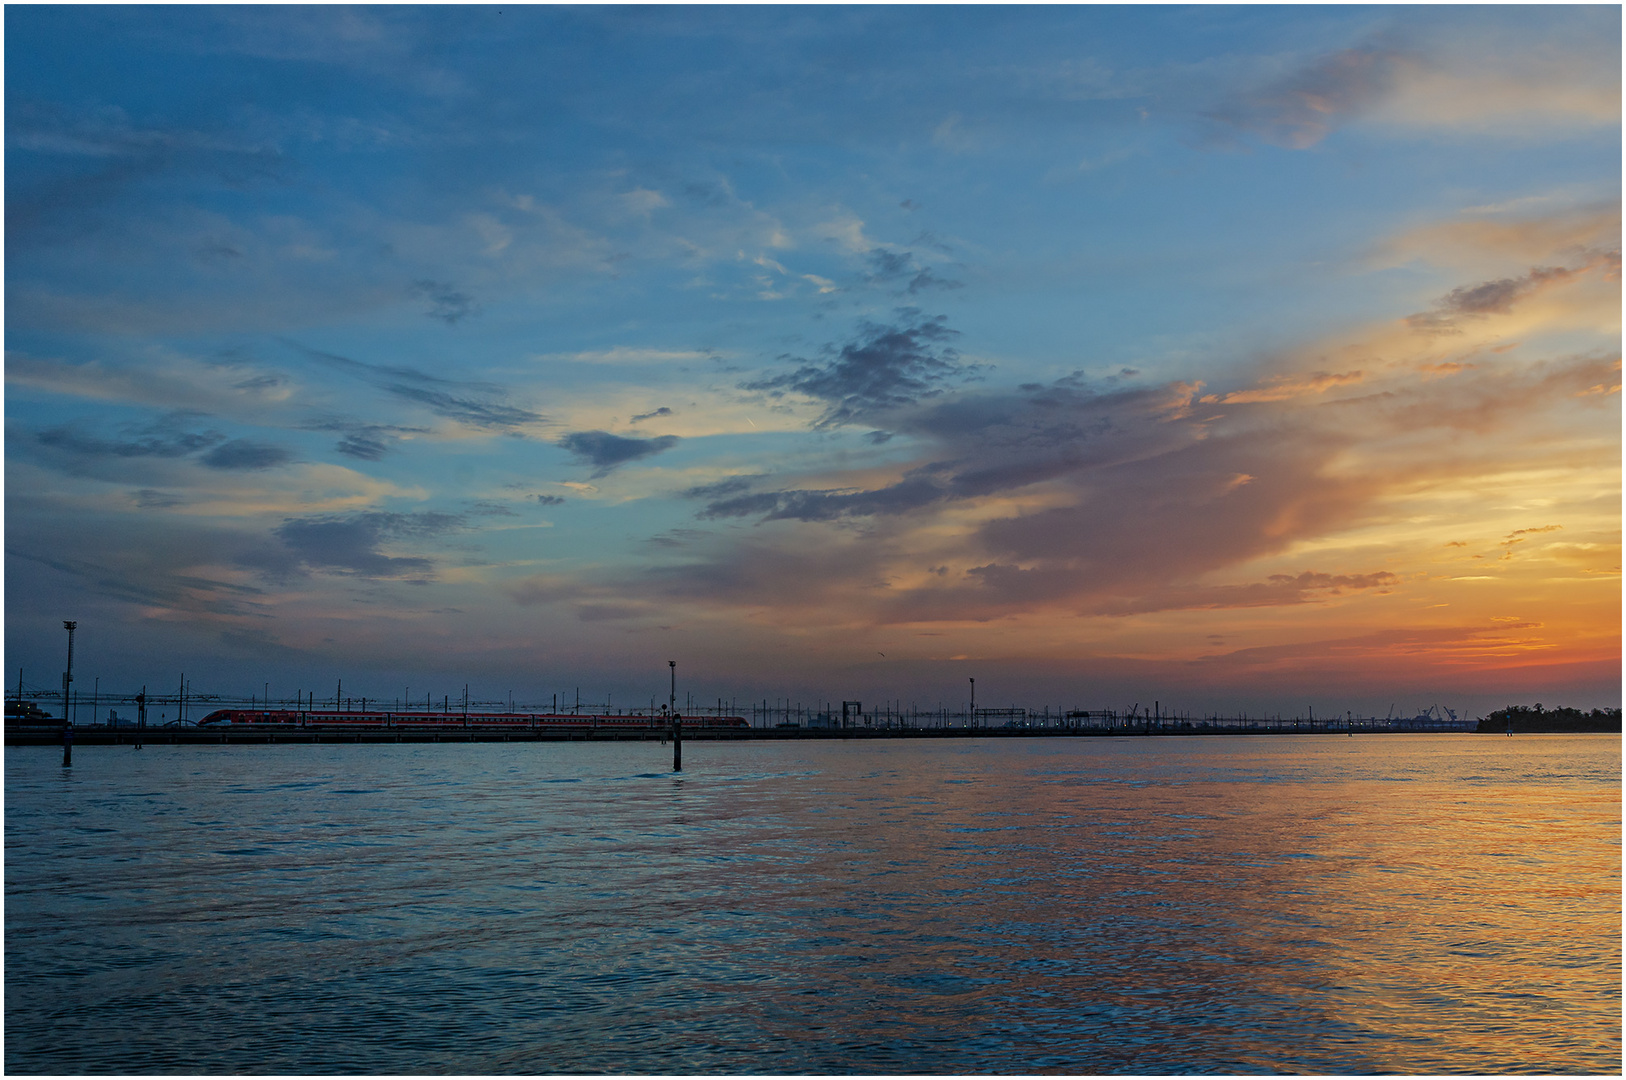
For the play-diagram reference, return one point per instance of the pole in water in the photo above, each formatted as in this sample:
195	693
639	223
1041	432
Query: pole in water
67	744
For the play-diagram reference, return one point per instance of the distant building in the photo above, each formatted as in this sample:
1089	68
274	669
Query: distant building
26	712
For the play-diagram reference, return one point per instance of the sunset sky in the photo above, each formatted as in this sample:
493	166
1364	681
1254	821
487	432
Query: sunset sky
1238	358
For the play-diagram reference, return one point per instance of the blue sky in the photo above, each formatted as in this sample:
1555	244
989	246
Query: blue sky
1094	352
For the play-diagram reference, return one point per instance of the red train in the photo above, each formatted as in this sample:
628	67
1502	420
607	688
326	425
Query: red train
508	721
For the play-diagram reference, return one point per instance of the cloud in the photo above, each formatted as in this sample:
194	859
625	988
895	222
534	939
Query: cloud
641	417
181	389
889	265
349	544
80	454
1278	590
150	499
363	446
605	451
366	442
802	505
766	502
120	155
1498	297
644	201
242	454
926	279
991	444
1300	109
1501	237
165	567
1489	80
477	404
952	135
466	410
1090	500
445	302
1285	387
546	589
623	355
146	581
900	267
1129	470
886	367
1137	525
591	602
847	231
676	538
733	485
156	443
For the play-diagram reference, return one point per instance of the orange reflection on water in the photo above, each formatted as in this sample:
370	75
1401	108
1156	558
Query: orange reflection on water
1315	904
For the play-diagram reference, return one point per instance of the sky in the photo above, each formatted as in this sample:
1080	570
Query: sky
1237	358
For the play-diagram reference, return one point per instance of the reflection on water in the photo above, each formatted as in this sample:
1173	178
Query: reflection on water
1415	904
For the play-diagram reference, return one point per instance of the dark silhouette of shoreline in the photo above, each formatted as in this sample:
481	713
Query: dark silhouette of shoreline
1534	719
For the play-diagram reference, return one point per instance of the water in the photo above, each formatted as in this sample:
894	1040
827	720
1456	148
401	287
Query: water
1400	903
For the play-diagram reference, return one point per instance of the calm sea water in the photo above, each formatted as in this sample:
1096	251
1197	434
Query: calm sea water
1414	904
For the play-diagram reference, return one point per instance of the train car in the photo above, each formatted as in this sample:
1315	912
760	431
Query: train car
514	721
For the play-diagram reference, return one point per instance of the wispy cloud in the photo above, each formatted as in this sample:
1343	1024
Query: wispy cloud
477	404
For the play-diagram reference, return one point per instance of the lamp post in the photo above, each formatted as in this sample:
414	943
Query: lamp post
67	676
677	722
973	702
67	713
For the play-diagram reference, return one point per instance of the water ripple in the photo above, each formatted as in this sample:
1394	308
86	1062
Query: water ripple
1100	906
